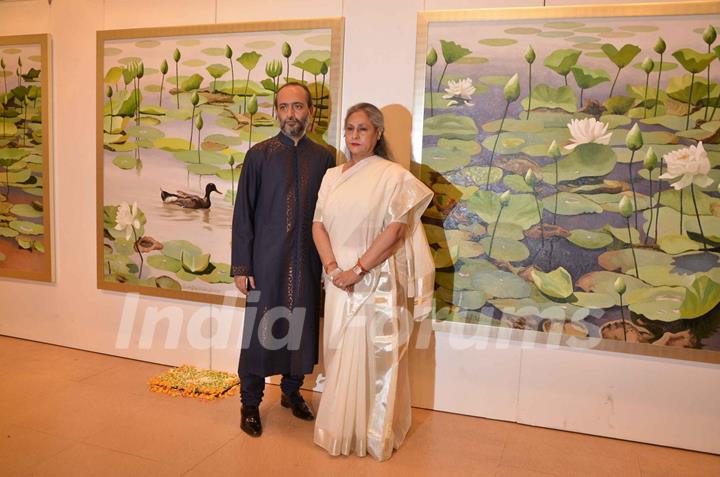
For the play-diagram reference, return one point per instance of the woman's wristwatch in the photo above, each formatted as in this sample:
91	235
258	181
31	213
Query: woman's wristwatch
358	269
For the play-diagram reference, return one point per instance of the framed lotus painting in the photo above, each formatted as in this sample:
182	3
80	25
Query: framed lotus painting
177	110
575	157
25	194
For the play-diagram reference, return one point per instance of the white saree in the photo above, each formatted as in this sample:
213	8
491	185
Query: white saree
365	406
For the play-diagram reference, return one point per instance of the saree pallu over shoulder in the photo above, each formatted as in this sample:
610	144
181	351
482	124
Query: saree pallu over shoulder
365	407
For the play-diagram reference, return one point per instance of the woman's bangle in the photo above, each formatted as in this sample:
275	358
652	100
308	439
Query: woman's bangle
327	267
333	273
359	264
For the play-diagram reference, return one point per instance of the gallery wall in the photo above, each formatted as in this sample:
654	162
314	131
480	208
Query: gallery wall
648	399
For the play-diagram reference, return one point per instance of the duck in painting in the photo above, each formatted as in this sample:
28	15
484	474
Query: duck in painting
189	201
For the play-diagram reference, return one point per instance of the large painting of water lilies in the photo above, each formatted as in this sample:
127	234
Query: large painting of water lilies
574	153
25	217
178	108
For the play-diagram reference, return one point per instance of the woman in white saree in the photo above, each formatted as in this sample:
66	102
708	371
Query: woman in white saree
378	275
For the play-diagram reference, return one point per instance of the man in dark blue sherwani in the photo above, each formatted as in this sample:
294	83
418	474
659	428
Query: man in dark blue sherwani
274	259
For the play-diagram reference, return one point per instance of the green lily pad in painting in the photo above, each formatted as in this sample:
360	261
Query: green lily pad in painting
8	232
610	202
604	282
657	304
676	244
164	262
663	275
113	126
586	160
454	191
450	126
619	105
556	284
172	144
206	157
467	249
479	174
569	203
178	249
506	229
701	298
693	61
514	125
186	276
23	243
220	274
144	132
623	56
203	169
516	183
522	209
586	77
27	228
167	283
497	41
544	96
615	120
705	203
453	281
679	88
494	80
590	239
125	162
623	259
468	299
621	233
443	257
153	110
593	300
506	249
224	139
670	221
435	234
196	263
191	83
540	307
562	60
228	175
499	284
25	210
445	160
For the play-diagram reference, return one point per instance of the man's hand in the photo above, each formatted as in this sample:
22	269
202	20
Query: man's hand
241	282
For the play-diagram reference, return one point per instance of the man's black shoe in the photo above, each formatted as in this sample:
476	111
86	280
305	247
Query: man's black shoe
250	421
299	407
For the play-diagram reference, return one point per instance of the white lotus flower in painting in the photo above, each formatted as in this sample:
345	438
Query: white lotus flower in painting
585	131
459	92
127	219
690	164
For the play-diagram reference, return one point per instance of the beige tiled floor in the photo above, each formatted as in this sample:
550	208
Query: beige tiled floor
74	413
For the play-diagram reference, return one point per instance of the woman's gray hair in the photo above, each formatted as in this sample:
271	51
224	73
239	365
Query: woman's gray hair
376	119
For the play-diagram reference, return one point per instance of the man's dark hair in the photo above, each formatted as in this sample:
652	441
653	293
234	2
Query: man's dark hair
308	95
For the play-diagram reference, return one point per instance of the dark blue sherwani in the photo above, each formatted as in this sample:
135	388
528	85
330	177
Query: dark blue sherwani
272	241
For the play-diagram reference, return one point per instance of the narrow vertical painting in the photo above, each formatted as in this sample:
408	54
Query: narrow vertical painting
575	157
25	196
178	108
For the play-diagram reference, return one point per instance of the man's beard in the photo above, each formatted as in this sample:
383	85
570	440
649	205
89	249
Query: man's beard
293	127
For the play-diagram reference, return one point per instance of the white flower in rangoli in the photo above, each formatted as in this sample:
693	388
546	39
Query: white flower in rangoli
587	130
459	92
127	219
690	164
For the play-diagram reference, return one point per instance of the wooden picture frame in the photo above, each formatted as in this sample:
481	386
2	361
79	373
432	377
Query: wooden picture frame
227	76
